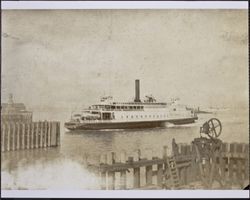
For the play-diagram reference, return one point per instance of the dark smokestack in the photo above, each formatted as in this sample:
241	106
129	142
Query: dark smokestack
137	91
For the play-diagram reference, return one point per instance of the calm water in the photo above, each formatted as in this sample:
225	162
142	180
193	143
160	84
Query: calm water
63	167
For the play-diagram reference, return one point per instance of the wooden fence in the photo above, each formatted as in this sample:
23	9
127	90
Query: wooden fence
17	136
177	171
231	166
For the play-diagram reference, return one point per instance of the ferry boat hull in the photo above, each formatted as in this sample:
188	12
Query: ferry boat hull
126	125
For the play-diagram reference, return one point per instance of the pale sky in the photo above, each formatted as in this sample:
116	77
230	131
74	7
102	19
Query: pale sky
70	57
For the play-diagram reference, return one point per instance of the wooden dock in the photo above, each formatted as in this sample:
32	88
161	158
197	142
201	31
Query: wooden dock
18	136
178	171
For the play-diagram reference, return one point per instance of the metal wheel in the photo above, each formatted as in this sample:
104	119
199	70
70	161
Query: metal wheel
215	127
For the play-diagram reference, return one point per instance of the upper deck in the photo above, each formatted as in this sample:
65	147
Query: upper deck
126	106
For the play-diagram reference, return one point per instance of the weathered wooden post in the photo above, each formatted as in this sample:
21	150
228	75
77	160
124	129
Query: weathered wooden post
183	149
53	139
28	136
41	134
149	169
18	135
45	134
103	160
194	165
159	174
111	174
8	137
189	149
246	152
58	134
175	148
231	163
226	157
123	179
136	178
189	170
181	170
49	133
239	164
13	136
37	134
221	168
164	157
185	176
3	126
32	135
23	135
222	160
185	170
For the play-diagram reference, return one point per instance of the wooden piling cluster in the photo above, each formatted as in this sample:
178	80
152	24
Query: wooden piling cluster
115	171
17	136
232	168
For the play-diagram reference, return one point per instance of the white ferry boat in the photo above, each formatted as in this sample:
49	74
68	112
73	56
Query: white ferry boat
108	114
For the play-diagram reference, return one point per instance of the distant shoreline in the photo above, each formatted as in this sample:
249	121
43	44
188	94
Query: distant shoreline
203	112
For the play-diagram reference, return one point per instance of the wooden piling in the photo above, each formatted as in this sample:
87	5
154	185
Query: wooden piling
103	181
239	163
8	137
53	138
3	131
23	135
188	150
123	179
183	149
13	136
175	148
111	174
28	136
45	134
189	174
231	163
49	133
37	134
18	135
149	175
159	174
32	135
193	167
137	177
103	173
165	153
185	181
41	134
149	169
246	152
223	167
239	172
58	134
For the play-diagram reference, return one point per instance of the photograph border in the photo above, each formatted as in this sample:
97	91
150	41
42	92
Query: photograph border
17	5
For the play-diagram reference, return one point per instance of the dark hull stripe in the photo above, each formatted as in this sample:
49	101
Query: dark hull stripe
128	125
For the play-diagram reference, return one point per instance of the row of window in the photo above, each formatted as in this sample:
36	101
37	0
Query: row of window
16	117
143	116
117	107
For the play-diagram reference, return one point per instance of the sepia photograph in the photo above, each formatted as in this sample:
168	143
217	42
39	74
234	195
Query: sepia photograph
124	99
